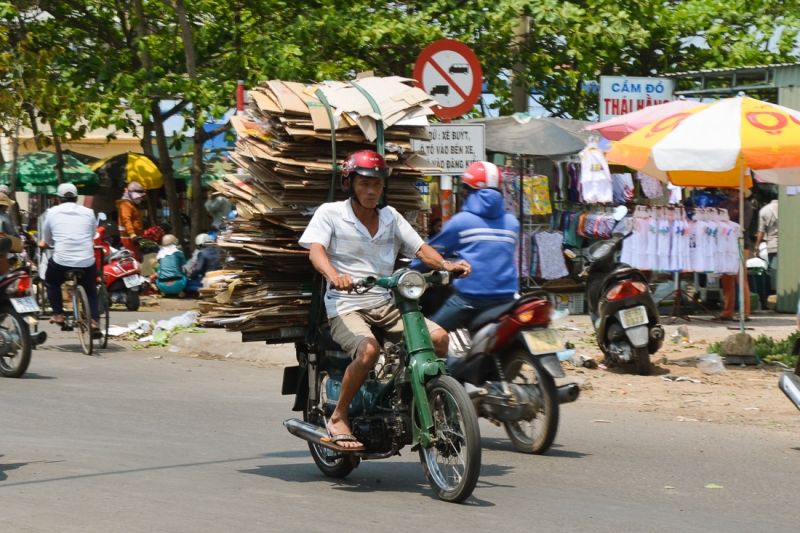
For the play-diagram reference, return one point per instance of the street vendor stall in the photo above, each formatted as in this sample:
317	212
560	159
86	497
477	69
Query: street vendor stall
715	145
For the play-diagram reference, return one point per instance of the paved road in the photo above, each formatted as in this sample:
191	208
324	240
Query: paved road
125	442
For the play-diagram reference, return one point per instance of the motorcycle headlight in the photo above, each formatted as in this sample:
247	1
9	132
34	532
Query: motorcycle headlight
411	285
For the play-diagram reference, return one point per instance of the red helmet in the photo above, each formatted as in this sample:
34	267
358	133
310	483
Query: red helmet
366	163
482	175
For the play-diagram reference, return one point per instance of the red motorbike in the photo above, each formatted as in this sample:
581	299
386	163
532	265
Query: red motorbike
121	273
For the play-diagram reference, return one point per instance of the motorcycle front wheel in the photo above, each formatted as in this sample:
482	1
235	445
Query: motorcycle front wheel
452	463
330	463
16	361
536	434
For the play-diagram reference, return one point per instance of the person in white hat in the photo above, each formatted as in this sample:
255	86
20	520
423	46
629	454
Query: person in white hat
6	225
70	229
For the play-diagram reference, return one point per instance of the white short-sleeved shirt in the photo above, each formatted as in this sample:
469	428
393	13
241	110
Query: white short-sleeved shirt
70	228
351	250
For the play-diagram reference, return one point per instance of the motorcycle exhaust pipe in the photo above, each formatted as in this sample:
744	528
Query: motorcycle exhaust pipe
309	432
38	338
568	393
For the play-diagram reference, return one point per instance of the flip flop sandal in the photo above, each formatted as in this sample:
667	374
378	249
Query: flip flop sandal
331	442
96	333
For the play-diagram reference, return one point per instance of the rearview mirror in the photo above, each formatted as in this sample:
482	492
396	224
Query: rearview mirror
620	212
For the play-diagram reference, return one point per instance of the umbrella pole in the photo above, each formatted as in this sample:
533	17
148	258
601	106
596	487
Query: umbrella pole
742	264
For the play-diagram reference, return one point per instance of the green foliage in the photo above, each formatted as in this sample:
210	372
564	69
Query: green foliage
768	349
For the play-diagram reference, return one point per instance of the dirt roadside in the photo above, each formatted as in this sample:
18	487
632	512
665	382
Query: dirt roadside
743	395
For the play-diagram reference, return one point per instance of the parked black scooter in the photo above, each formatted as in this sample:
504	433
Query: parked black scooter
623	312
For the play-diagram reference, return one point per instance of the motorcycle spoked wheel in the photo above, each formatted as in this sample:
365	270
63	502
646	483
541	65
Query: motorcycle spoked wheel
132	301
537	434
641	357
452	464
16	362
330	463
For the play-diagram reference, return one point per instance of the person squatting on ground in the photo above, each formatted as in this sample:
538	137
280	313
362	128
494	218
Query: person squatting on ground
356	238
207	261
170	278
70	229
129	217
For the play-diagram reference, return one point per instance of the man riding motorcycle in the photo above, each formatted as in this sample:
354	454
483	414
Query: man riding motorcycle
354	239
486	237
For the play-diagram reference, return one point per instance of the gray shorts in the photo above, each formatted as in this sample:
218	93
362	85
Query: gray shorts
350	329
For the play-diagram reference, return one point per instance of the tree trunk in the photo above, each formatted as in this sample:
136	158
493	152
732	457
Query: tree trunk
198	207
59	168
12	182
165	166
186	36
34	127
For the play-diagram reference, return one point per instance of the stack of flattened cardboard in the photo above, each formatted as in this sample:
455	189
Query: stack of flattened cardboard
285	147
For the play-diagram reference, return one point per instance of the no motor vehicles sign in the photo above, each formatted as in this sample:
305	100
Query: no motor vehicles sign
450	72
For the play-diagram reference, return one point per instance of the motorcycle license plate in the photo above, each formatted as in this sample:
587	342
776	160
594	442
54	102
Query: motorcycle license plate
25	305
542	341
132	281
633	317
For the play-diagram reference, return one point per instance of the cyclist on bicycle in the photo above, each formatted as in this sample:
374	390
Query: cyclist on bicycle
70	229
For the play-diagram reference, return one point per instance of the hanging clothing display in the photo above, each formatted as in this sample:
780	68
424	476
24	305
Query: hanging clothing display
666	240
596	185
651	187
535	193
675	194
548	258
622	188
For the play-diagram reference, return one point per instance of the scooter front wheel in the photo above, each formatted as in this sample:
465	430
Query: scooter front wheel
536	434
452	463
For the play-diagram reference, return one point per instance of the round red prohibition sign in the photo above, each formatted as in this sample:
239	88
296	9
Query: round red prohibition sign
449	72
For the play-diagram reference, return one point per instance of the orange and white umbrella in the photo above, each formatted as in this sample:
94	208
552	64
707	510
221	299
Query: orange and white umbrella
712	145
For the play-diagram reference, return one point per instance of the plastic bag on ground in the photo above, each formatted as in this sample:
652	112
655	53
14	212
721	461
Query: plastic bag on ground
710	364
186	320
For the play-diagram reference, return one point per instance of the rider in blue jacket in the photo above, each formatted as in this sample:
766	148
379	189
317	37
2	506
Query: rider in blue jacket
486	236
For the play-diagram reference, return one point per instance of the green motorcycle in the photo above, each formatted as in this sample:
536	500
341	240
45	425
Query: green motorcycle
408	399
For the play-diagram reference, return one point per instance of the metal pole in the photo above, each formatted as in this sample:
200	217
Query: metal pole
742	265
521	214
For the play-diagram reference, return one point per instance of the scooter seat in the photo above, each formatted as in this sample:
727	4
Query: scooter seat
491	314
119	254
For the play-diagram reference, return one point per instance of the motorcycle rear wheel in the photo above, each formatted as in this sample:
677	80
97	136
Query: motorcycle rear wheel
132	302
325	458
16	362
452	465
522	369
641	356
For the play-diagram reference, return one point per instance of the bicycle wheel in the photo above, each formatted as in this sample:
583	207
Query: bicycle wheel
83	318
104	305
41	297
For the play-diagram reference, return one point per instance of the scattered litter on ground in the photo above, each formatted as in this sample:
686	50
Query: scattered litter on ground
752	409
684	419
565	355
580	360
710	364
603	421
157	357
162	331
679	378
174	349
668	487
228	354
713	486
116	331
602	367
778	363
681	335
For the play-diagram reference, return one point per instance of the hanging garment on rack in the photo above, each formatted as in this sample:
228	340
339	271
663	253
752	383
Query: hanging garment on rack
526	253
651	187
595	177
535	192
666	240
548	255
622	187
675	194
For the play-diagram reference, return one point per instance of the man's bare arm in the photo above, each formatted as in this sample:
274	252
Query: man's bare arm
319	258
434	260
